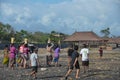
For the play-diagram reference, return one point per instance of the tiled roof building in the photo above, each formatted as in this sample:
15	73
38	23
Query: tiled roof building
83	36
90	38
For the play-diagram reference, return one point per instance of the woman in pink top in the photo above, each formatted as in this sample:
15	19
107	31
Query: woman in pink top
21	54
12	55
26	55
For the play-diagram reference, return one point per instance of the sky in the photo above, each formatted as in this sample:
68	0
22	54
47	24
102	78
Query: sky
66	16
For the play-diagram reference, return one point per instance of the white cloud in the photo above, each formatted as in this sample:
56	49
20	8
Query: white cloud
6	9
72	15
47	19
23	16
18	19
27	12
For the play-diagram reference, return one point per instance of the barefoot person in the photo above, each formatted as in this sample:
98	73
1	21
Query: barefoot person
49	56
26	55
21	50
6	56
69	53
101	52
74	63
34	63
85	57
56	54
12	55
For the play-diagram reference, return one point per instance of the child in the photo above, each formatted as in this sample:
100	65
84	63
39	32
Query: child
101	52
74	63
85	57
34	63
6	57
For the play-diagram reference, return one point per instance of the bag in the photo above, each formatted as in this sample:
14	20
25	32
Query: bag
5	60
18	60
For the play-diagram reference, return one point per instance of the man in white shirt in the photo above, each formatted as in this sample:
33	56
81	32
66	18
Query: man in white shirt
34	62
85	57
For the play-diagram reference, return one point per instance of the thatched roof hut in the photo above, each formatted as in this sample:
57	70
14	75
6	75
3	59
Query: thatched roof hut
84	37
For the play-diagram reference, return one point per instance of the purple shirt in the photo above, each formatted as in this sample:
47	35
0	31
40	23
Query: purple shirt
56	52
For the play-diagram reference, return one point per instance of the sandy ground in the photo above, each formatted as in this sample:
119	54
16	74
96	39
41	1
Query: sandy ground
107	68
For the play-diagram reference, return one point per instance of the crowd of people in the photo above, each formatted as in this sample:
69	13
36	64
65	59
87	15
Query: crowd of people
23	57
19	55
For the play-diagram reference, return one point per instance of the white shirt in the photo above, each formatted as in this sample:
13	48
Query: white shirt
84	53
33	59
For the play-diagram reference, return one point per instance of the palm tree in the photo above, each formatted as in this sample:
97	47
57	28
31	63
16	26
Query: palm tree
105	32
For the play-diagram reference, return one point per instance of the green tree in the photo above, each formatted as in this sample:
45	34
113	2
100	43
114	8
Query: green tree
57	36
6	32
1	31
19	36
105	32
40	37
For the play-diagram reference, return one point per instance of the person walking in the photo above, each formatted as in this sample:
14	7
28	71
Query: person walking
85	57
49	56
12	56
6	56
74	63
100	52
34	63
21	51
26	55
56	54
69	54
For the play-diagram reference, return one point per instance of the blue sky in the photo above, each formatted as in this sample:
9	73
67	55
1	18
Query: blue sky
66	16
